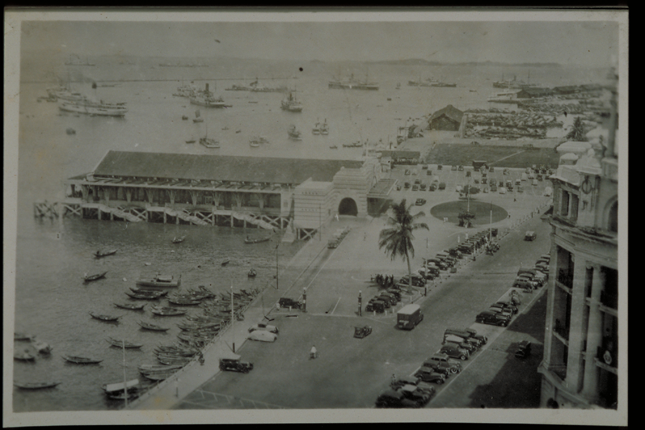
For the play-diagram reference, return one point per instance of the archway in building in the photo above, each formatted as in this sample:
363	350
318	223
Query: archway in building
347	206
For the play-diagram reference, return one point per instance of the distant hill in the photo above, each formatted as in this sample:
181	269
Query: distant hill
421	62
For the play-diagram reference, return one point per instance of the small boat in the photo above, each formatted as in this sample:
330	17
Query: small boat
225	262
198	117
254	144
262	239
324	128
26	355
333	146
159	376
139	296
252	273
143	291
153	327
152	368
123	343
22	336
90	278
178	239
167	311
99	253
81	360
160	281
294	134
191	141
209	143
316	129
131	306
36	385
184	118
183	302
106	318
42	347
122	390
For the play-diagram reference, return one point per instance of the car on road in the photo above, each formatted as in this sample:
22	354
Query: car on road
506	304
361	332
262	336
414	393
453	351
420	202
234	364
263	326
424	167
443	361
493	318
428	374
394	399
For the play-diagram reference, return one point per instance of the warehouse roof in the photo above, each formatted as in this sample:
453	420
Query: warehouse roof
449	111
219	167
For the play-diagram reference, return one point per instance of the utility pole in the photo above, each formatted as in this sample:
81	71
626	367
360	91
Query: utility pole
277	278
319	223
360	304
232	320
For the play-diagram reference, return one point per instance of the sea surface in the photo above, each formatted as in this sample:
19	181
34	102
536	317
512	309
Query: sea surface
53	303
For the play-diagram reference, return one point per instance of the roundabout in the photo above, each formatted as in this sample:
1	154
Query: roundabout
481	211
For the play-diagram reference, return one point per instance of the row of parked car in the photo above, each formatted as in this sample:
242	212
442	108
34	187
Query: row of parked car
415	391
500	313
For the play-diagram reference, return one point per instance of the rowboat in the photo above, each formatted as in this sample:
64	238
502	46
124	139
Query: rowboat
158	376
26	355
151	368
131	395
173	361
99	253
131	306
22	336
105	318
252	273
262	239
183	302
178	239
225	262
143	296
81	360
35	385
160	281
153	327
148	292
123	343
167	311
90	278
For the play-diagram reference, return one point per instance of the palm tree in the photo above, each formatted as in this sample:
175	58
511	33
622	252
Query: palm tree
577	132
397	237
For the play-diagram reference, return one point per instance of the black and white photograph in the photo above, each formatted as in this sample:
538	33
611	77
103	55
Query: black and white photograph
325	215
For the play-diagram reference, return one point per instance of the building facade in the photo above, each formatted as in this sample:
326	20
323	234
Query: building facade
580	363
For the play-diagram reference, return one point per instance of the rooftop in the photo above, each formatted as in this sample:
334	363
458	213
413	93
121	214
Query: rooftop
219	167
449	111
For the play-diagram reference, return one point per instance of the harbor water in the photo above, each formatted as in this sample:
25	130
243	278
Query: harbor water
52	255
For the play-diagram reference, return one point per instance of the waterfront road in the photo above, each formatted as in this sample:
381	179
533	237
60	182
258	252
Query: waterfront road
349	372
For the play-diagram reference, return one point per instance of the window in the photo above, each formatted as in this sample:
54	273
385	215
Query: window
573	215
564	203
612	218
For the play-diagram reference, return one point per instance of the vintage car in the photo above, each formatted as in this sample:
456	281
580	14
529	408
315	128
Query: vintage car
530	235
385	296
263	326
262	336
420	202
432	187
460	343
423	187
525	284
454	351
501	310
467	332
523	349
394	399
443	361
233	364
415	187
506	304
286	302
428	374
416	394
417	280
361	332
493	318
453	167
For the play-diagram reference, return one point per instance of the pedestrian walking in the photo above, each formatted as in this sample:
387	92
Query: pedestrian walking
313	353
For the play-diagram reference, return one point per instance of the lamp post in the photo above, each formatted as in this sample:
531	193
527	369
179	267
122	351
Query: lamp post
277	278
360	304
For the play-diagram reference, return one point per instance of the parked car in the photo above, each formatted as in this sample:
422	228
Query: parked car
386	302
460	168
493	188
415	187
443	361
493	181
461	343
520	189
423	187
485	190
394	399
262	336
375	306
398	187
439	166
388	296
454	167
502	190
432	187
472	333
234	364
417	181
412	380
508	305
453	351
524	283
518	182
417	280
442	185
263	326
428	374
502	310
484	180
361	332
424	167
420	202
407	185
429	173
493	318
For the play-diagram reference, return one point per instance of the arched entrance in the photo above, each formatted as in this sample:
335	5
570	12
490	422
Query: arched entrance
347	206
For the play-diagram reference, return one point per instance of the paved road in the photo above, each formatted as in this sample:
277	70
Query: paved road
350	373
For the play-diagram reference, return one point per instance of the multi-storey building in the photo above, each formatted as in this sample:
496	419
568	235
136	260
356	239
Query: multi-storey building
580	363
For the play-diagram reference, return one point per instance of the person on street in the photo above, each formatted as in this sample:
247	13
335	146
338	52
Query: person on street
313	353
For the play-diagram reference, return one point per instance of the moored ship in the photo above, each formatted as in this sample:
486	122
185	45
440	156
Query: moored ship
89	107
291	103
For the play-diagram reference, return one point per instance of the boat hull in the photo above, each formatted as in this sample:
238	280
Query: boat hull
93	110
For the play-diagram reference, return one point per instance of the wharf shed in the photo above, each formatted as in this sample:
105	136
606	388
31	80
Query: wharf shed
265	192
448	118
531	93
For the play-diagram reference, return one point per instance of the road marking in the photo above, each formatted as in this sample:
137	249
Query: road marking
332	312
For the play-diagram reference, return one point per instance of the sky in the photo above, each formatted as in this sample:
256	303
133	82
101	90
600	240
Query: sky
590	43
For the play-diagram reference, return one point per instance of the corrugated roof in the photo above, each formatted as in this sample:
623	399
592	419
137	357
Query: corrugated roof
220	167
450	111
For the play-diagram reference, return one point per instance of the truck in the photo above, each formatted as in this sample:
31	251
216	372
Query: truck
409	316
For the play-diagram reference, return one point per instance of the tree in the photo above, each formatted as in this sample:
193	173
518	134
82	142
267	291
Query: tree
577	132
397	237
